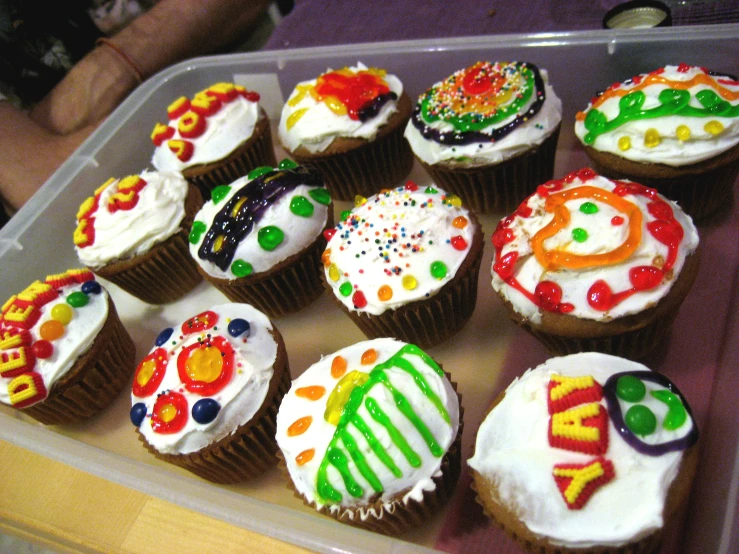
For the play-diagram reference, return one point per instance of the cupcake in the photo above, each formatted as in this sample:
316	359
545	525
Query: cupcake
586	453
349	125
134	233
488	133
675	129
404	264
590	264
65	354
371	436
215	138
259	240
205	398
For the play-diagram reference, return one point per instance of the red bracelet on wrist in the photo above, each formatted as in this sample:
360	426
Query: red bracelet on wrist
122	55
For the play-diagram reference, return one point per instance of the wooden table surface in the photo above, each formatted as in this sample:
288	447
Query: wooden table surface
68	510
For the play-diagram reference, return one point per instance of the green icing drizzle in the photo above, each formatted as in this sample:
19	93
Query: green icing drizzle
321	196
301	206
672	102
379	415
375	445
360	461
676	413
198	228
218	193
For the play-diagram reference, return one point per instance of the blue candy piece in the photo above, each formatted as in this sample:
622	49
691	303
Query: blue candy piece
91	287
164	336
138	413
205	410
238	327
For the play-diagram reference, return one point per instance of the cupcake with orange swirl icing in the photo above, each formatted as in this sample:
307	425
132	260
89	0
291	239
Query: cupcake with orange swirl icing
590	264
675	129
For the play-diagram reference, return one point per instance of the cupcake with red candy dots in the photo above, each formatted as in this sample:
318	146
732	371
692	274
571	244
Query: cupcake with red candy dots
590	264
64	354
214	138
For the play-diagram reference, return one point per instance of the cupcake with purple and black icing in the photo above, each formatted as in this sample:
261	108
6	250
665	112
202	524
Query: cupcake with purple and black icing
488	133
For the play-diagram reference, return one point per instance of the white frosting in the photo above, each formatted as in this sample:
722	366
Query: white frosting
299	231
225	131
123	234
414	480
602	237
397	235
317	128
512	451
239	400
530	133
699	145
79	334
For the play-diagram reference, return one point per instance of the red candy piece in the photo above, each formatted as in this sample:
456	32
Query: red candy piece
42	349
411	186
329	233
359	300
459	243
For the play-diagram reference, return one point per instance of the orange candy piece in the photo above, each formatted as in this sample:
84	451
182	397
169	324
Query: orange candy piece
299	426
305	456
338	367
369	357
51	330
311	393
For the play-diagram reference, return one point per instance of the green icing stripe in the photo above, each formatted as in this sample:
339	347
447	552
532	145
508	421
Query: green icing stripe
360	461
379	415
375	445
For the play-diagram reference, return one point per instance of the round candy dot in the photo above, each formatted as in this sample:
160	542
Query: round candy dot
345	214
651	138
409	282
163	336
51	330
91	287
77	299
259	171
205	410
198	228
438	270
328	234
579	234
588	208
630	388
240	268
270	237
624	144
455	201
238	327
640	420
218	194
42	349
320	195
411	186
287	163
459	243
345	289
714	127
683	132
430	190
138	413
460	222
301	206
359	200
62	313
333	272
385	293
359	300
617	220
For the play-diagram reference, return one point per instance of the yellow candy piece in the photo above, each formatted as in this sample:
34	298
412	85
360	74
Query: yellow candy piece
334	273
62	313
218	243
651	138
359	200
683	132
624	143
409	282
454	200
714	127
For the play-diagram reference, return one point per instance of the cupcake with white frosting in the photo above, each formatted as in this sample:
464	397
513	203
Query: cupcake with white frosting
348	124
371	435
134	232
590	264
215	137
259	239
206	396
488	133
404	263
586	453
675	129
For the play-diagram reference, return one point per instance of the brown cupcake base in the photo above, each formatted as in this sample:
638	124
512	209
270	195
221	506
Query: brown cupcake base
352	167
167	271
702	189
250	449
499	187
631	337
95	379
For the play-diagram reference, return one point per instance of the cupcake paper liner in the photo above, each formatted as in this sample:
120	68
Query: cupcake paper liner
499	187
95	379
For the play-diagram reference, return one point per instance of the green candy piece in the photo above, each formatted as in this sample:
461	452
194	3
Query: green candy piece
77	299
677	415
259	171
588	208
345	289
641	420
218	193
270	237
301	206
321	196
287	163
345	214
579	234
198	228
240	268
630	388
438	270
430	190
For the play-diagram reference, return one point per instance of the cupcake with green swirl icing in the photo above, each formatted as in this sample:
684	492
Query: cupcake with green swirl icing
488	133
371	434
675	129
259	240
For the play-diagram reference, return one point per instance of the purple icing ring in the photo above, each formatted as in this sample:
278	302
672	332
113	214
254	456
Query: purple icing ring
617	416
